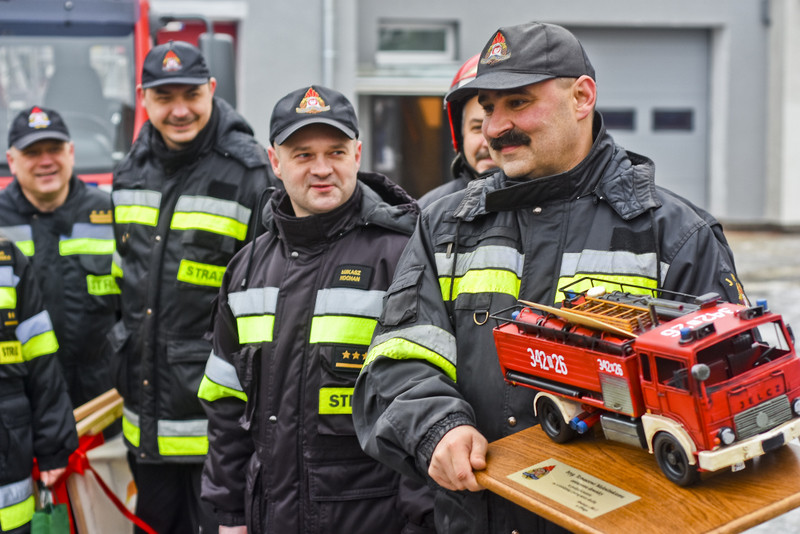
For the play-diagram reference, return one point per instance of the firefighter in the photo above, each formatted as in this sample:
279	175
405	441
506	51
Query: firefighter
294	318
36	418
65	227
567	202
472	151
184	201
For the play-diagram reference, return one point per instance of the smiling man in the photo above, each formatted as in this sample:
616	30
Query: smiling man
568	202
65	229
293	321
185	201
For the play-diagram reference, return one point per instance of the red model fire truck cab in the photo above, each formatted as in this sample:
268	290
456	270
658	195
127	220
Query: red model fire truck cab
703	386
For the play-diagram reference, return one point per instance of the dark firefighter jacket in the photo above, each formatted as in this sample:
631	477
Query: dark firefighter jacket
71	250
293	322
463	174
35	412
176	230
432	364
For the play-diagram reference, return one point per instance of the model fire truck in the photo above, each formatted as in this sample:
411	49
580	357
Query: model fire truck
702	384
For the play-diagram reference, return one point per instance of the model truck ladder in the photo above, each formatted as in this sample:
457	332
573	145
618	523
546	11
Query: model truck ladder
633	319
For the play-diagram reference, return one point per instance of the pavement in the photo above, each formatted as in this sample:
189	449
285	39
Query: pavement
768	264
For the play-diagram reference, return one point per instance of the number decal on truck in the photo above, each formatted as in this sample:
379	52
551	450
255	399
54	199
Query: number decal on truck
606	366
675	330
548	362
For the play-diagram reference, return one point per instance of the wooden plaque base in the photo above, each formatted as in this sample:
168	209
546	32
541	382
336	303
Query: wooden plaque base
723	502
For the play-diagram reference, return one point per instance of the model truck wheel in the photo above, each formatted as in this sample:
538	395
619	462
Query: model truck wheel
553	422
673	461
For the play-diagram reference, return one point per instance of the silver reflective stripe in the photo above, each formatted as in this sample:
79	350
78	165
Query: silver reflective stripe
214	206
254	301
136	197
16	492
18	233
131	416
611	262
347	301
33	326
91	231
222	373
431	337
7	276
195	427
488	257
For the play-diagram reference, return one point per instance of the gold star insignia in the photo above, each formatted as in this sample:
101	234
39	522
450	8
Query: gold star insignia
346	355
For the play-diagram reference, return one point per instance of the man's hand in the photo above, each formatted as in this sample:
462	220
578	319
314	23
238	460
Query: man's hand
460	452
232	530
49	477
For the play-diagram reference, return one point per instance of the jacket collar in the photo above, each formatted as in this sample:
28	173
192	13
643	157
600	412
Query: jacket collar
25	207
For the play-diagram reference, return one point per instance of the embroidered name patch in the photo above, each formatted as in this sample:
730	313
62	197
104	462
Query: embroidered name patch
355	276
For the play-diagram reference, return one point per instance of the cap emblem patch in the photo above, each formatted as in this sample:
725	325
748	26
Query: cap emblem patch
38	119
497	51
171	62
312	103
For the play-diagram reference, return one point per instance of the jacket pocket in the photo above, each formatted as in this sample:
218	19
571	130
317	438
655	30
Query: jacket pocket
187	360
16	446
401	303
119	341
253	502
337	380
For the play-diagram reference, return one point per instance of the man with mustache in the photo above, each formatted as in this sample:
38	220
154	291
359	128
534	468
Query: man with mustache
185	201
472	152
568	202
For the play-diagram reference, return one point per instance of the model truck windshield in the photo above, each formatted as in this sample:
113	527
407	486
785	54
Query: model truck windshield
88	80
744	351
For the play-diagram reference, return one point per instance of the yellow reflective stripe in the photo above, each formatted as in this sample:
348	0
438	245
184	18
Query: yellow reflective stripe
255	328
619	279
136	214
16	515
8	298
26	247
200	274
116	270
342	329
336	401
130	430
101	285
39	345
211	391
209	223
402	349
11	352
86	245
481	281
183	445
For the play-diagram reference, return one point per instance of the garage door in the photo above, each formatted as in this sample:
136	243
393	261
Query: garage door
653	91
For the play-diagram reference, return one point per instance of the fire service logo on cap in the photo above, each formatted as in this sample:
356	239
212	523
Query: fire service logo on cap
497	52
171	62
312	103
38	119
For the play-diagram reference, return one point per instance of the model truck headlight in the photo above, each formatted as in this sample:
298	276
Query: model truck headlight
796	406
726	435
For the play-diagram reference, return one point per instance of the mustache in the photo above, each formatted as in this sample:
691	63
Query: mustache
181	122
510	138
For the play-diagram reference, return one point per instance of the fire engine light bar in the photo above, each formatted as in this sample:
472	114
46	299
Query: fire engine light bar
693	334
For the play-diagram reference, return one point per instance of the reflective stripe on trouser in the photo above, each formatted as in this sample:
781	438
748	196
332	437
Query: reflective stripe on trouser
254	310
16	504
37	336
8	288
137	206
220	381
86	238
210	214
22	236
617	267
424	342
488	269
175	438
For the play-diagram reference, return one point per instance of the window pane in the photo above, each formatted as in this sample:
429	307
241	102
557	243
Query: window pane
412	40
673	119
619	119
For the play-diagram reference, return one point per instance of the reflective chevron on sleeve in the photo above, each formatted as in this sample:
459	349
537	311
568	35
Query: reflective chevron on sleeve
220	381
423	342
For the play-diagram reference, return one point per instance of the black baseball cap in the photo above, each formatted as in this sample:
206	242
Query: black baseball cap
524	54
312	105
36	124
174	62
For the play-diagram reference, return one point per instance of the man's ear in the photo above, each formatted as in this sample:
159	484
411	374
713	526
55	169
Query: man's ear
272	153
584	91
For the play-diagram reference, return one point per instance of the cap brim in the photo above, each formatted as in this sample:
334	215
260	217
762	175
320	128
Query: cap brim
175	81
284	134
497	81
28	140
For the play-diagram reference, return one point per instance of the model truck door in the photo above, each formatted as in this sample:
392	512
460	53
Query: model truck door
675	398
649	391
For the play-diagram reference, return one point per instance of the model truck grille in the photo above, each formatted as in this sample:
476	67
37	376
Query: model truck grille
763	417
616	394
